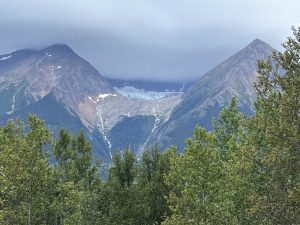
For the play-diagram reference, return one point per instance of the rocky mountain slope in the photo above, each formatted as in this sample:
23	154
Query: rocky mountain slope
203	100
66	91
32	75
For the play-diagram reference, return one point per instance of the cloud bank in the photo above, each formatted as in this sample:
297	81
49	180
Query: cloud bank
147	39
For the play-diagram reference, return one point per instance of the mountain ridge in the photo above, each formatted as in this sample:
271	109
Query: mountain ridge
203	100
80	92
57	76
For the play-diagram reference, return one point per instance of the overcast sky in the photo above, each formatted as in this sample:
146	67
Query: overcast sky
147	39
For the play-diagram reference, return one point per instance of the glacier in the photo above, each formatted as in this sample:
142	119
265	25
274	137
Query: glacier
134	93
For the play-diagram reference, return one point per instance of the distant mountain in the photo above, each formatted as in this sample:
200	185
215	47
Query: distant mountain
54	83
32	75
203	100
66	91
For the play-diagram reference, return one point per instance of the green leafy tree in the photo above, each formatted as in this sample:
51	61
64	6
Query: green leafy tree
196	180
153	168
119	201
237	156
76	179
123	171
276	131
26	172
229	129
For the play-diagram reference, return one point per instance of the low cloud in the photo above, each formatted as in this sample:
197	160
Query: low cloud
146	39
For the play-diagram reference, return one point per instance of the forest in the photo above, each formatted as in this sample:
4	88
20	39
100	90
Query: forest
245	171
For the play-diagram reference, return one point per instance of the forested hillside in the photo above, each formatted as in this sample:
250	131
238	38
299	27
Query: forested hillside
245	171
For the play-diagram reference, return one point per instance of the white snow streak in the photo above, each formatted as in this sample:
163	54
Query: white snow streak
5	57
14	101
155	125
103	132
183	86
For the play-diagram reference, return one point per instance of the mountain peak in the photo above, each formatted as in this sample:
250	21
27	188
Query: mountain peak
257	41
259	44
59	48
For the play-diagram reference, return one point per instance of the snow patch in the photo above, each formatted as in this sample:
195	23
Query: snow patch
134	93
103	96
5	57
58	67
100	97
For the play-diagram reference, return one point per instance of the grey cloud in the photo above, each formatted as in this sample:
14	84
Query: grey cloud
146	39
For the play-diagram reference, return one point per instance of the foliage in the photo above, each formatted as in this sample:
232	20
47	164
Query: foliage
276	131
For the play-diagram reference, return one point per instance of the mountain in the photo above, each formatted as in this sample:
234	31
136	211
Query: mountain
54	83
203	100
32	75
66	91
